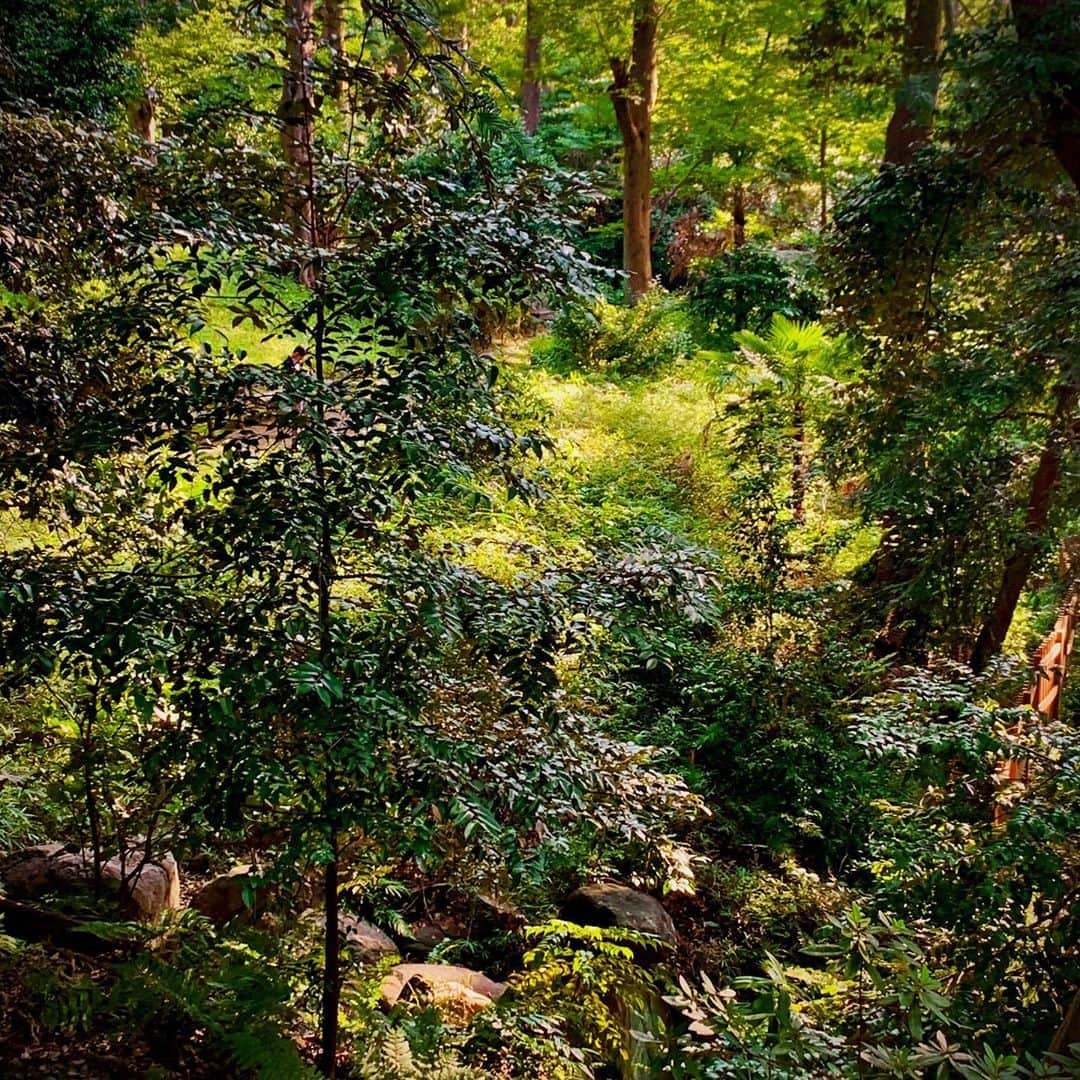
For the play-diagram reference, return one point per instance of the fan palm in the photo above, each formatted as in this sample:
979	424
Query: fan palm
804	363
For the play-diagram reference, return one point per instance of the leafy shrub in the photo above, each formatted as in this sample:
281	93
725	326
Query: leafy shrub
1002	892
873	1005
390	1057
234	992
869	1004
621	340
65	1004
73	56
584	994
742	290
17	804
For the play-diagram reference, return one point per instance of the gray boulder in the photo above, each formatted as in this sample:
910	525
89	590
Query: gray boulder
152	886
608	905
366	942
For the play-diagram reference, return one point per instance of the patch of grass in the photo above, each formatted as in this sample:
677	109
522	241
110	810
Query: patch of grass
629	458
18	533
856	551
245	338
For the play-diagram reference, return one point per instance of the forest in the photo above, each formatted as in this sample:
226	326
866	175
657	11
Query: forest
539	540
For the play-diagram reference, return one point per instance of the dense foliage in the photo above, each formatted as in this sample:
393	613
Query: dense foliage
427	521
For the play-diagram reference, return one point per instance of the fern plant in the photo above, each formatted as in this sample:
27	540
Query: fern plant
391	1057
65	1004
237	990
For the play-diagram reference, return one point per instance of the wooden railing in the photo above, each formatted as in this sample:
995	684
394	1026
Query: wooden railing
1050	662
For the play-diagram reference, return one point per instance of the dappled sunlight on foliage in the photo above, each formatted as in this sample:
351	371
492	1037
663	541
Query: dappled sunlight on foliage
542	587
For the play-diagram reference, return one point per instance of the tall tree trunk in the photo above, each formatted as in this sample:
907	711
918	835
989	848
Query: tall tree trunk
93	810
1040	22
738	215
1069	1031
908	131
633	93
296	113
823	163
1036	23
909	126
333	35
1019	564
331	947
798	461
904	630
530	83
454	23
324	577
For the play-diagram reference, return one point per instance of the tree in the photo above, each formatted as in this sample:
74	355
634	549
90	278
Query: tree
916	99
805	363
633	94
733	106
332	13
963	490
73	56
1040	28
531	68
1048	29
182	64
297	119
284	492
846	58
1065	428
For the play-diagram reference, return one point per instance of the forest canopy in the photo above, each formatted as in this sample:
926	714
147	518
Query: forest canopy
539	541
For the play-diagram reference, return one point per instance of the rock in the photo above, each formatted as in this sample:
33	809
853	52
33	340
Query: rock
152	888
365	941
444	912
27	874
457	993
495	916
424	938
608	905
198	863
222	899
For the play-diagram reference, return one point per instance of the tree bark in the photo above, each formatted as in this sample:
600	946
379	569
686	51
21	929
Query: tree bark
798	462
738	215
297	118
324	577
1061	112
530	83
331	954
633	94
908	131
1019	564
93	810
909	126
1061	105
1069	1032
823	161
333	36
454	23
